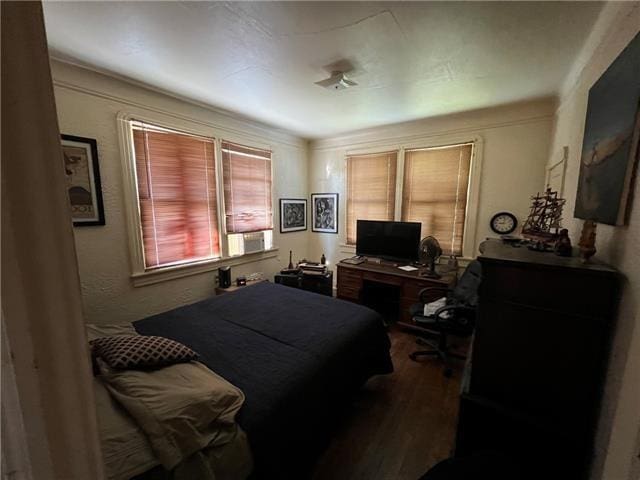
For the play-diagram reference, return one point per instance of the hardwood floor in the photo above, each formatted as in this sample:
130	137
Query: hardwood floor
400	425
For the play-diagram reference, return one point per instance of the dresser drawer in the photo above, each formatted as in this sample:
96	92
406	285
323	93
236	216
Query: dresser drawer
382	278
349	278
349	283
347	273
348	292
568	290
411	290
405	306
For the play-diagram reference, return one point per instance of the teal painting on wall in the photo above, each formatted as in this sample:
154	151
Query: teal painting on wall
610	145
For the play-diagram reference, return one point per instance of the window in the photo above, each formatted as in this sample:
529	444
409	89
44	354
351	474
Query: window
371	189
176	186
432	186
434	192
247	195
177	178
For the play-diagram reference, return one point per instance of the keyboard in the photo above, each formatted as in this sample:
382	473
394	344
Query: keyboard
353	260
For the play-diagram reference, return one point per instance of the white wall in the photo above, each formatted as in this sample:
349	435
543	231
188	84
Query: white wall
618	439
514	150
48	422
88	103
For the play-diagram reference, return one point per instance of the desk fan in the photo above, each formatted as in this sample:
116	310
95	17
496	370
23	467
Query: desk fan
429	251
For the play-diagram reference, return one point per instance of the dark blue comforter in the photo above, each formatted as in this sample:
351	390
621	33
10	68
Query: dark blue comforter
296	355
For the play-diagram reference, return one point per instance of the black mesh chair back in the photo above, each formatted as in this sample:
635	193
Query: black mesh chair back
466	291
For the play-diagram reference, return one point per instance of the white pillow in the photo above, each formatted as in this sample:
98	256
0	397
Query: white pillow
109	330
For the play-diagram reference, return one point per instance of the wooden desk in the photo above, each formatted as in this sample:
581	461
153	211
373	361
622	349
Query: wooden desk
352	277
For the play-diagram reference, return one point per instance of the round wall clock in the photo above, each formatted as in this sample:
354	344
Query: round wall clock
503	223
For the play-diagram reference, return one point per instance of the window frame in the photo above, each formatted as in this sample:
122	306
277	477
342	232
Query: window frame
176	263
140	275
221	182
473	188
238	140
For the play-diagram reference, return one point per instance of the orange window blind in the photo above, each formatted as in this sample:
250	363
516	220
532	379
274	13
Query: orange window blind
436	182
371	189
247	188
176	194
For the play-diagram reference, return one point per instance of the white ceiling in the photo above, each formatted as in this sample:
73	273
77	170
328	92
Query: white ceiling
412	59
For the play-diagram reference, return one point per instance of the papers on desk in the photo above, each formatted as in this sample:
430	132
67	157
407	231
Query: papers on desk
408	268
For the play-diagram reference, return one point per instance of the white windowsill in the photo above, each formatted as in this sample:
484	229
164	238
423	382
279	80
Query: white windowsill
150	277
346	248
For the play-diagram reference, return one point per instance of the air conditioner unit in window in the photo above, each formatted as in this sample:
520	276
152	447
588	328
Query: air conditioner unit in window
253	242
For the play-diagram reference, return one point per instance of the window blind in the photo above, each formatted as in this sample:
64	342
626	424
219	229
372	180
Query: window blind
247	188
371	189
435	188
176	194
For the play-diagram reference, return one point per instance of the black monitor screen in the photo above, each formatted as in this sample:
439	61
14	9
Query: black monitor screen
388	240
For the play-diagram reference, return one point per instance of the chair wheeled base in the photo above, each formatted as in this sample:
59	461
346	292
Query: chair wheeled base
440	350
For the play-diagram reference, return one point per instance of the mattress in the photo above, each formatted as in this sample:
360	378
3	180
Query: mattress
297	356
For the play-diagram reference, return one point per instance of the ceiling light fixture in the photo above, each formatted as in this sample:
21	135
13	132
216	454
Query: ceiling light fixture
337	81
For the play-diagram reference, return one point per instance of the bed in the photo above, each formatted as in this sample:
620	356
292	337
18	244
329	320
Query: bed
296	355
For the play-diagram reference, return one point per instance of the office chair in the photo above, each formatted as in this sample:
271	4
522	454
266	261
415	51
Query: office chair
456	318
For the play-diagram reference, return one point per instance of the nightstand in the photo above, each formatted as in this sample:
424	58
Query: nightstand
322	283
233	288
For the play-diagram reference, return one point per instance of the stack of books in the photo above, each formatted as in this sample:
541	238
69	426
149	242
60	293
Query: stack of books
312	268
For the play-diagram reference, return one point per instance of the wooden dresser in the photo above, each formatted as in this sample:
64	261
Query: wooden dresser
354	279
535	379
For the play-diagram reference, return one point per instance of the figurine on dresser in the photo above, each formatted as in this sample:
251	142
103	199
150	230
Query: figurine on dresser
543	222
562	246
588	240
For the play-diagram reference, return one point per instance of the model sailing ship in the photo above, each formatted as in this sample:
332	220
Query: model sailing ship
543	222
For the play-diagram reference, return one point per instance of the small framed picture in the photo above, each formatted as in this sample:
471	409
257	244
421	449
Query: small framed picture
293	214
325	212
83	180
